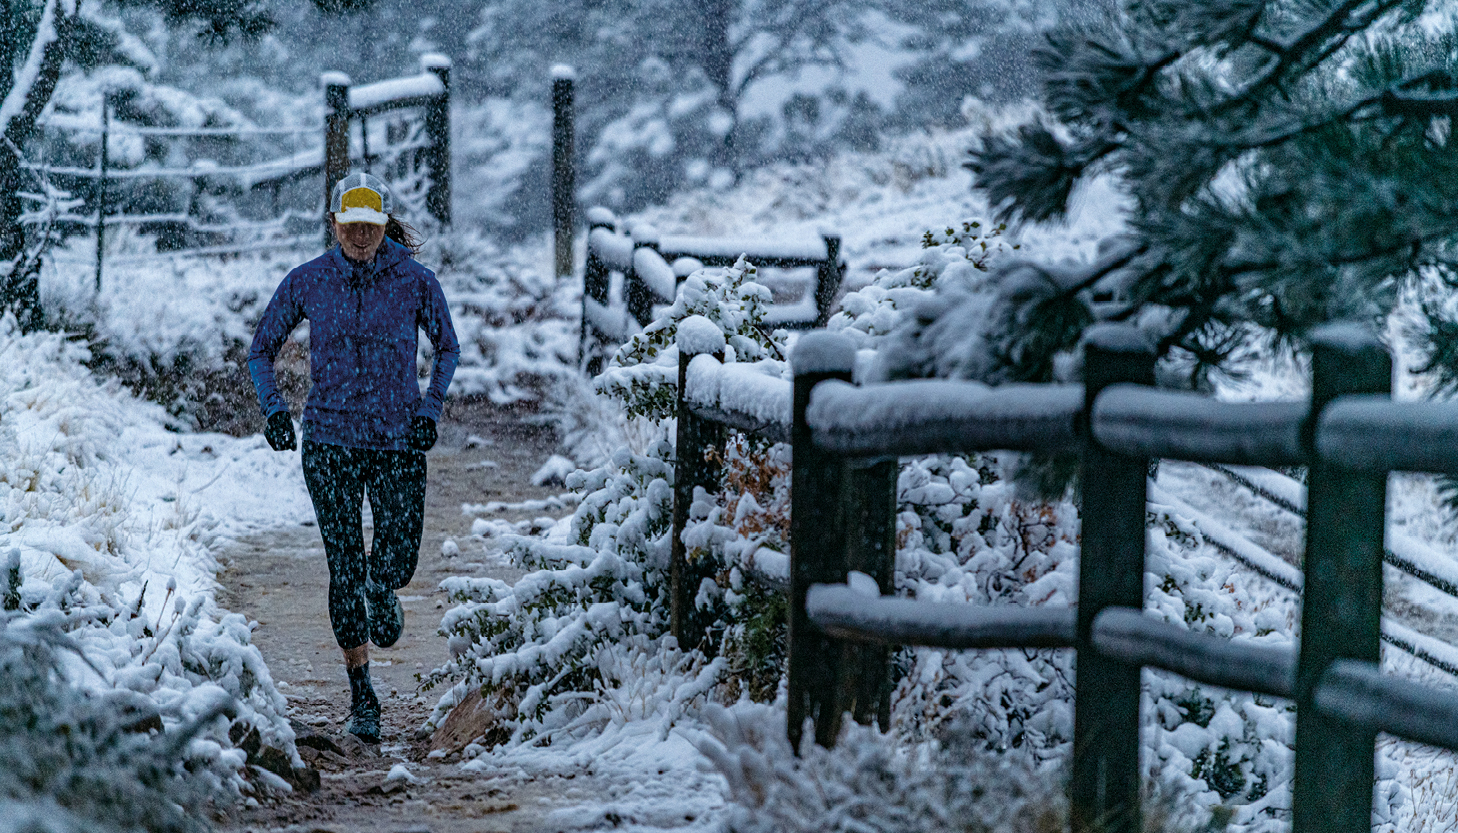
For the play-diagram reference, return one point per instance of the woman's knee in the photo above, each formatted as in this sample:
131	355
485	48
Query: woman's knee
393	565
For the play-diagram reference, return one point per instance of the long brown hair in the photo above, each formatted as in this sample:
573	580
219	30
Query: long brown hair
405	234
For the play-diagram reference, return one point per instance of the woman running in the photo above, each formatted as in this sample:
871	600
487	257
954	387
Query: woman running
366	425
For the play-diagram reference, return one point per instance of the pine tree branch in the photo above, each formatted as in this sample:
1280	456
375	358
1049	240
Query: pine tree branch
1084	75
1266	43
1295	59
1409	247
1396	100
1419	105
1101	270
1288	132
1107	266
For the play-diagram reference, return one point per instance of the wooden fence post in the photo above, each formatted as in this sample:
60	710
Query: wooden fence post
564	172
438	128
827	279
1105	783
336	135
869	488
692	467
817	543
639	295
1341	604
106	104
595	285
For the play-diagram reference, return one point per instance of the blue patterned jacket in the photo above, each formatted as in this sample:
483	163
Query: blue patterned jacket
363	336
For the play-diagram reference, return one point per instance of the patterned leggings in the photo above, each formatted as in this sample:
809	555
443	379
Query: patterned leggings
339	478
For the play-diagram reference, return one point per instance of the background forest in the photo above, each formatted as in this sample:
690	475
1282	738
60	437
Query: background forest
670	95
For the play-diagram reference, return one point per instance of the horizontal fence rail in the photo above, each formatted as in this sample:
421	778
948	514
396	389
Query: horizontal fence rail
845	439
739	398
1124	634
929	417
1374	435
1362	695
845	613
652	266
1134	637
1141	422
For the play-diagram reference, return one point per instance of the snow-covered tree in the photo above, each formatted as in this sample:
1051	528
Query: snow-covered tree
663	84
1288	163
40	41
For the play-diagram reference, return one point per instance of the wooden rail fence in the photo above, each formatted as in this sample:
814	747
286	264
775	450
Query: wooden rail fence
405	147
652	266
845	444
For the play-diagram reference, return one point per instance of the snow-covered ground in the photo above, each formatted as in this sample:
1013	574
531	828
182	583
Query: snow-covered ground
114	520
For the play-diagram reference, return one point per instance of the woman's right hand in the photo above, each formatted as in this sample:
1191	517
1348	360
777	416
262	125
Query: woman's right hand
280	432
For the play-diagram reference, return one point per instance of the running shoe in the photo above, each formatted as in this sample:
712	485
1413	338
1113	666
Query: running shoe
364	722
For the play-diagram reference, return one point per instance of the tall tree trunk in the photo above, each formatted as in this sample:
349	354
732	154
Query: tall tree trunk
11	241
716	59
18	288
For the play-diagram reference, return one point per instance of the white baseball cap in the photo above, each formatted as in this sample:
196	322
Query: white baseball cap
360	198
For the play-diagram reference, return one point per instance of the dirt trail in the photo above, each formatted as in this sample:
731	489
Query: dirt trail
280	579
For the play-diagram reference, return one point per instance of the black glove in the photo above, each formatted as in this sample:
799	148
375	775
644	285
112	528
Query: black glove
280	432
422	433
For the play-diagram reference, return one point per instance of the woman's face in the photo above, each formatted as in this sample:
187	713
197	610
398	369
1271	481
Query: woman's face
359	240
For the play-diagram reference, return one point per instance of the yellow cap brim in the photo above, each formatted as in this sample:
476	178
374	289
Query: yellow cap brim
360	214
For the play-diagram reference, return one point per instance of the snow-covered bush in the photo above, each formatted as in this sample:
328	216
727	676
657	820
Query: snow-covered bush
732	530
99	761
79	763
597	591
871	781
110	549
953	259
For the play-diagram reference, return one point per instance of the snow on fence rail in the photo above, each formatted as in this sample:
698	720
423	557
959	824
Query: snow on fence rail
844	441
652	266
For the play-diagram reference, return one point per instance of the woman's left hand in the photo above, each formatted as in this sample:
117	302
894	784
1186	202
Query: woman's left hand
422	433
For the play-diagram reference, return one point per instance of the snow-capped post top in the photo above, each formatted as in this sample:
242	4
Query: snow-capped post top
333	79
643	234
698	336
600	216
434	60
823	352
564	72
1346	358
1346	337
1117	338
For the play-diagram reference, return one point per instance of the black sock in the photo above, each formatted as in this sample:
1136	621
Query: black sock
360	691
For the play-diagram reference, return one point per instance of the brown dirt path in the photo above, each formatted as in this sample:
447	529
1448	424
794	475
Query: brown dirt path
279	579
